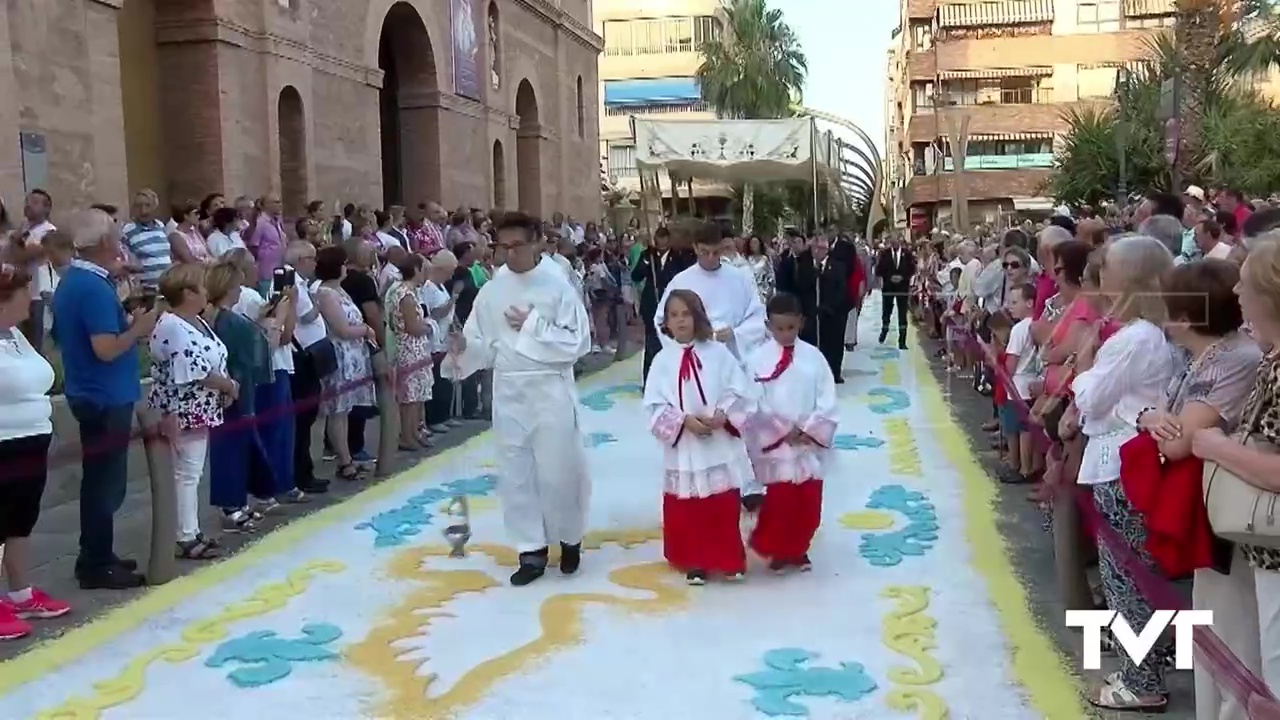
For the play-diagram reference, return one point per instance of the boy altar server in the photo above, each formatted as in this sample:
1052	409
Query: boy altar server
797	405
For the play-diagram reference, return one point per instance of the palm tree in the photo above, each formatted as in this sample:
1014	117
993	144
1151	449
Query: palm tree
1198	30
755	67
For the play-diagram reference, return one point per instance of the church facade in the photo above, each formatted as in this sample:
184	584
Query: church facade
482	103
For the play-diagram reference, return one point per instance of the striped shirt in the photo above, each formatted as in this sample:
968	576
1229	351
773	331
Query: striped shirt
149	244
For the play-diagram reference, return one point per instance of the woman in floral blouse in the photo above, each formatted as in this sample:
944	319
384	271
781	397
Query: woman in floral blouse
190	386
412	332
1258	462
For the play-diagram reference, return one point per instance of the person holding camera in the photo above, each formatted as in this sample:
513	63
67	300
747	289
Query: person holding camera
98	342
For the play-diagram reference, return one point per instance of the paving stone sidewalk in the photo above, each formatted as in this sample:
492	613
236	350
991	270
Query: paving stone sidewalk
56	537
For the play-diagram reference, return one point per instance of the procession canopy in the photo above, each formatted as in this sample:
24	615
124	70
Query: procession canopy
730	150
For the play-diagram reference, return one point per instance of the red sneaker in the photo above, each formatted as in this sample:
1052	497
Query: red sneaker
11	627
40	607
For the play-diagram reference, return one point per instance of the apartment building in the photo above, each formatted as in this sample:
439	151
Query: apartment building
1005	70
648	69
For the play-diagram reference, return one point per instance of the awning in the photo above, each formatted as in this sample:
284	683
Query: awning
998	12
730	150
990	73
1141	8
1033	204
651	91
1010	137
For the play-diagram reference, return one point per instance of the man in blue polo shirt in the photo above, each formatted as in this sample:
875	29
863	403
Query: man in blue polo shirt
98	343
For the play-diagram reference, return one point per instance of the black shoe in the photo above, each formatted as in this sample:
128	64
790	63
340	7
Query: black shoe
804	563
751	503
902	344
128	564
883	334
570	558
839	379
849	347
114	578
315	487
695	577
532	566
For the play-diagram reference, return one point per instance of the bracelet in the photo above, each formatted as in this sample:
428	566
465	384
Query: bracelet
1137	422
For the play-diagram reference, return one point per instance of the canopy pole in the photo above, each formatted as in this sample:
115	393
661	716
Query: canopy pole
813	167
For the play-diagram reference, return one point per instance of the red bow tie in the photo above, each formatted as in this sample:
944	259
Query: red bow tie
689	367
784	362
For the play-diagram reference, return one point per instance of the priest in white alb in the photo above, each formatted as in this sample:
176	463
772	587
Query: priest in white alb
732	303
530	326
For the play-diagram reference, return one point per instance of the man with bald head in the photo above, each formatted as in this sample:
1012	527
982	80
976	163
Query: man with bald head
425	228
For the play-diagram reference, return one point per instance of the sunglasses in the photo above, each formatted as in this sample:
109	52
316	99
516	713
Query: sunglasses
1014	265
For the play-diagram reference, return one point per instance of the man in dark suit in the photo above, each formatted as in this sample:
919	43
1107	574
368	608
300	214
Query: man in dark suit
657	265
786	276
825	299
894	267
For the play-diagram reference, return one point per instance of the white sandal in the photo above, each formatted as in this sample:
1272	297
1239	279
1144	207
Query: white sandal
1117	696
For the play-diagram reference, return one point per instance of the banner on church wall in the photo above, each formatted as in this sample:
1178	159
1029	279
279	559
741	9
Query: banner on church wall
465	36
728	149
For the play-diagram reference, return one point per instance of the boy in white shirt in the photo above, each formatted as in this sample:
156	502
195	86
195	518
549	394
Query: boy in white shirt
1022	365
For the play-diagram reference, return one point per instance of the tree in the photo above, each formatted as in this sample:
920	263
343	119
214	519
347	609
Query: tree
754	68
1227	128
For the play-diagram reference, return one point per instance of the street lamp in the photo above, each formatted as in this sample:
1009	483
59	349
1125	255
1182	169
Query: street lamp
1121	135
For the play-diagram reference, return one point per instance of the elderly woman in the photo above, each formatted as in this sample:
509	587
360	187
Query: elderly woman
239	464
361	286
277	318
1256	462
351	385
1204	321
191	387
186	242
25	380
1127	374
439	296
413	340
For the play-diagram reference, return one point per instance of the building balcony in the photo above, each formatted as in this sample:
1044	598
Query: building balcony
986	185
990	32
638	67
922	65
1033	50
922	9
1039	161
1000	12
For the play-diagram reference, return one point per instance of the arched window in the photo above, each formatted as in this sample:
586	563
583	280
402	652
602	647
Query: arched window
495	48
582	111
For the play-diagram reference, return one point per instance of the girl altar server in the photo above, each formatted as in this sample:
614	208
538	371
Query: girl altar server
699	401
794	428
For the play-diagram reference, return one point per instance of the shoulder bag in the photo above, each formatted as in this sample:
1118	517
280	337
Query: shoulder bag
1239	511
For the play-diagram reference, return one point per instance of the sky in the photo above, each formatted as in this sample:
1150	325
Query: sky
846	43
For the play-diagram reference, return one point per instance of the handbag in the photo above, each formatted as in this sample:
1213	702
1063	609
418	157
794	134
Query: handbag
323	355
1239	511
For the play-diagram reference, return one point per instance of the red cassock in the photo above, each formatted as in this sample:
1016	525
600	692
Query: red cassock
1169	496
798	393
703	476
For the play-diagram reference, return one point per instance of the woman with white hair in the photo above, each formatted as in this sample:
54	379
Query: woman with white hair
1120	380
439	295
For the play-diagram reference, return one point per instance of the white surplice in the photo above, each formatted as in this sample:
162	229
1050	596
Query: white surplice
802	397
732	302
543	482
699	467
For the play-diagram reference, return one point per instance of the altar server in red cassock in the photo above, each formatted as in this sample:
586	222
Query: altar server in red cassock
699	402
793	431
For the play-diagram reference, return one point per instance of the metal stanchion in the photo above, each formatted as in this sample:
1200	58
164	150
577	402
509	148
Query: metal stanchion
384	383
161	566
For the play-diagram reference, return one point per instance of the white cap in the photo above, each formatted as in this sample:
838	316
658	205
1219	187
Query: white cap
1062	211
1195	191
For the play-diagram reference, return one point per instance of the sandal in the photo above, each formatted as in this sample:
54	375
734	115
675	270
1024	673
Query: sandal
197	548
239	521
1117	696
349	472
1115	679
